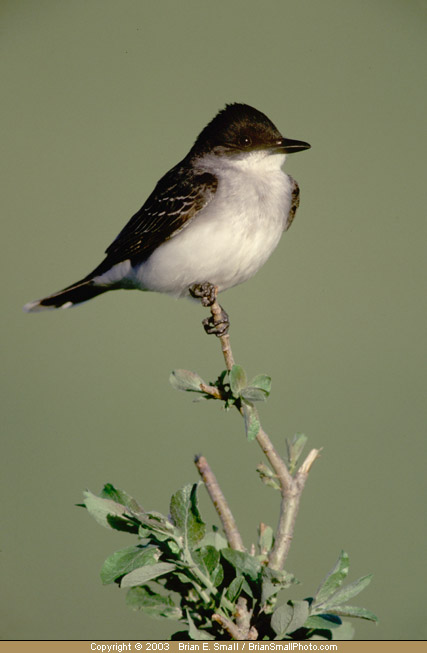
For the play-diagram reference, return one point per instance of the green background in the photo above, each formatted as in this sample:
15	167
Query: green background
99	99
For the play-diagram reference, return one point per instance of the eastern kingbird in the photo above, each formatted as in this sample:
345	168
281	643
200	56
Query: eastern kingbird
215	217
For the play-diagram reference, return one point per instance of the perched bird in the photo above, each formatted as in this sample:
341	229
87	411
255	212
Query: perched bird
215	217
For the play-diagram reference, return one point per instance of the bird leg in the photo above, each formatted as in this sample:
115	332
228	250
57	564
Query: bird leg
219	323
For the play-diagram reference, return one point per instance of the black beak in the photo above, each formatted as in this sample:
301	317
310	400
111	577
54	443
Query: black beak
286	145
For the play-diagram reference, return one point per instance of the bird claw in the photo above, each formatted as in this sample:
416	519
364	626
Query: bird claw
206	292
217	326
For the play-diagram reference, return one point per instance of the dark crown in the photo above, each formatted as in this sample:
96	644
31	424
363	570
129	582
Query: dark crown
238	127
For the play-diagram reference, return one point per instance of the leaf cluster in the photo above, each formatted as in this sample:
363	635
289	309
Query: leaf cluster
233	388
178	570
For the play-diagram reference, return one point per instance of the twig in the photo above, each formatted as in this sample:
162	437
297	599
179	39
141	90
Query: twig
229	626
243	620
277	463
241	629
221	506
211	390
291	497
225	338
291	487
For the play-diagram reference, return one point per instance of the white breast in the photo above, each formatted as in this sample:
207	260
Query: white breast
233	236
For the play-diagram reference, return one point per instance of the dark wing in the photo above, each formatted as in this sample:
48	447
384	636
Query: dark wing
176	199
294	204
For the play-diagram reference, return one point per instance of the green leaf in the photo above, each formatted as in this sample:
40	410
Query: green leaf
281	619
334	579
348	592
142	575
289	617
154	523
269	591
301	609
207	559
185	515
295	448
243	562
251	393
246	588
265	539
196	633
215	539
185	580
267	476
217	576
252	423
234	589
122	497
124	561
186	381
323	621
155	605
238	379
173	547
263	382
109	514
156	528
273	581
353	611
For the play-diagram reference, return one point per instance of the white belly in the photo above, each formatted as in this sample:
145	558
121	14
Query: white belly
228	241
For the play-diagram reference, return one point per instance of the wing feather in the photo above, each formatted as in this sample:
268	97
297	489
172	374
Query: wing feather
294	203
175	201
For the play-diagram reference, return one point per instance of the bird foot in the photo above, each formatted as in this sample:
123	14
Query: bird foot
217	324
206	292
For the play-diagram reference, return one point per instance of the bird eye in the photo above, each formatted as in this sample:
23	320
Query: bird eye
245	141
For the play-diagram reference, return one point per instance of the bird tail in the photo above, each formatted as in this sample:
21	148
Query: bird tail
78	293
